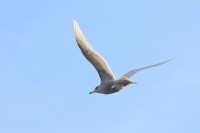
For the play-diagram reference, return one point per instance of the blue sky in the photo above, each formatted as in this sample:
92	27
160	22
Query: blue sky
45	80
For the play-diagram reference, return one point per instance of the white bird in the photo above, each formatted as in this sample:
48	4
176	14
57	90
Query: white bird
109	84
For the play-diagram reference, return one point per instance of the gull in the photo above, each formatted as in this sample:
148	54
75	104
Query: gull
109	84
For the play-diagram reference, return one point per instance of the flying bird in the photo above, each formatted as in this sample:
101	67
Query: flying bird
109	84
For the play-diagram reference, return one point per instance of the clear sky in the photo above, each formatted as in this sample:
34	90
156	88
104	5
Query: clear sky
45	80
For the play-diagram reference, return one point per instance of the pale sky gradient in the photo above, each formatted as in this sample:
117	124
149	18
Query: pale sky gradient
45	80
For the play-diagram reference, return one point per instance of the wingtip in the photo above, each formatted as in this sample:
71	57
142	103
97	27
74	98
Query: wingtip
166	61
170	59
75	26
74	22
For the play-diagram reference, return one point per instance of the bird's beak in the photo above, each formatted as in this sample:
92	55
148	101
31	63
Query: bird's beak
91	92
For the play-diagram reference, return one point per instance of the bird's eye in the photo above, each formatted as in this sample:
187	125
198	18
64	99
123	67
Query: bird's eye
96	88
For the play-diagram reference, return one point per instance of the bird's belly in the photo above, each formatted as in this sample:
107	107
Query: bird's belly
117	87
114	89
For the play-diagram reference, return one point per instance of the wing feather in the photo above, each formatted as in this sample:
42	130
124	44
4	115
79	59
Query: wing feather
92	56
133	72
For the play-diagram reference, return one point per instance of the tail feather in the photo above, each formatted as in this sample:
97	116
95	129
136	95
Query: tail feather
124	81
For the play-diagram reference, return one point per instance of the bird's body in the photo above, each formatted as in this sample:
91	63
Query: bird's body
109	84
112	86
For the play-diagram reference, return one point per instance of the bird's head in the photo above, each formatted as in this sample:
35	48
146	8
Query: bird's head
96	90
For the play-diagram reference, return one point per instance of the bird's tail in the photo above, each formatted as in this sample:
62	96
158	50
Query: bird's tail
124	81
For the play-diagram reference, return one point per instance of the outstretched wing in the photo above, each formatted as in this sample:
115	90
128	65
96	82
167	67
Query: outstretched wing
133	72
92	56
